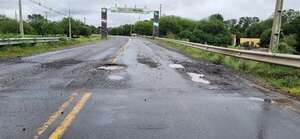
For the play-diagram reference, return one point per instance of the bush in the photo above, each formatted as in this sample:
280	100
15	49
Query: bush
186	34
265	38
285	48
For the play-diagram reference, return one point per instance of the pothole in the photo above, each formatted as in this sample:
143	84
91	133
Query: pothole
60	64
111	67
267	100
176	66
199	78
148	61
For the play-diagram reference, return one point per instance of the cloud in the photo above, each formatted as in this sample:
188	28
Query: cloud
194	9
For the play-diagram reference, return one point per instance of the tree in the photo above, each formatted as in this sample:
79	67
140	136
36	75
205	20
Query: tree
265	38
53	28
143	28
289	15
218	17
212	31
244	23
186	34
169	24
38	23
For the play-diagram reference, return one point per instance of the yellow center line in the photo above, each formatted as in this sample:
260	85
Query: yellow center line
59	131
122	49
54	116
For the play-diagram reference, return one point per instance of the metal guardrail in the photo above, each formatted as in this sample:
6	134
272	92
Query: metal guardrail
273	58
12	41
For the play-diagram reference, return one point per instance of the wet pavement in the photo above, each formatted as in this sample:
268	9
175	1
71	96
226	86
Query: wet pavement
130	88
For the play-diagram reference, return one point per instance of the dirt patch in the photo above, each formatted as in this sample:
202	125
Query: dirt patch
60	64
284	102
15	60
148	61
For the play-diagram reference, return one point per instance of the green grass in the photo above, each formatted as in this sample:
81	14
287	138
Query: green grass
31	49
281	78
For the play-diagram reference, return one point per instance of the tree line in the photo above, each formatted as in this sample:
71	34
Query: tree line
39	25
215	30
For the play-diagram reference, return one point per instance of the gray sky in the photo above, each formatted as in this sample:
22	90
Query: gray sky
194	9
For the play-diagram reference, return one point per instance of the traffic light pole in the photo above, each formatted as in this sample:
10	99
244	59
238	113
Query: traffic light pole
104	31
276	29
156	24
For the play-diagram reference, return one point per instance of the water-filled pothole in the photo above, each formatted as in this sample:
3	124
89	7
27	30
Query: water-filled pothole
111	67
115	77
176	66
199	78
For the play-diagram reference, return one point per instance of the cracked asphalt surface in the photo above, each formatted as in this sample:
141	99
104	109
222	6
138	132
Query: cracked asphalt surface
46	95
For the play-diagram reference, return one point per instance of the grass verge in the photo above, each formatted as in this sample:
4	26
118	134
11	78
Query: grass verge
14	51
275	77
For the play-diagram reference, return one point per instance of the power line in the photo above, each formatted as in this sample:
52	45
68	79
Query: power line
48	8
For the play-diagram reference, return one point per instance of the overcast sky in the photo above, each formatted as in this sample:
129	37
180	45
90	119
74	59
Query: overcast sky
194	9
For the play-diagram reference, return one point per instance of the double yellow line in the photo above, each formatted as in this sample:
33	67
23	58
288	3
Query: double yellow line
59	131
120	51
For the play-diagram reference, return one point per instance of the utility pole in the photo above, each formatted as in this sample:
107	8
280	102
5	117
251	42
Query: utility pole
84	20
46	15
21	19
16	16
70	25
160	10
276	29
131	30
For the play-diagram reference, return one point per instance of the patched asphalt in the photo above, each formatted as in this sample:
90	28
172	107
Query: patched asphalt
138	97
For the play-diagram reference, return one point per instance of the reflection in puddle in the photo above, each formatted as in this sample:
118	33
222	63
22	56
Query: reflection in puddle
111	67
256	99
199	78
115	77
261	99
176	66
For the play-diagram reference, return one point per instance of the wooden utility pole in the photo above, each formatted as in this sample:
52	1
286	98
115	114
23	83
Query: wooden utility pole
21	19
276	30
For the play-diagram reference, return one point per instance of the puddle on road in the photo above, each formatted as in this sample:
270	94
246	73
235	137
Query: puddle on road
267	100
176	66
115	77
256	99
199	78
111	67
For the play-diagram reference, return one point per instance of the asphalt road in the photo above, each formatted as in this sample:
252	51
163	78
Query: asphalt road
72	94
